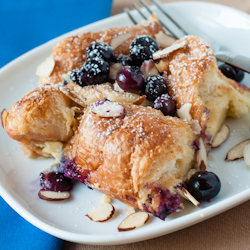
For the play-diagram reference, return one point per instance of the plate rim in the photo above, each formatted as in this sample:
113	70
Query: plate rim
191	219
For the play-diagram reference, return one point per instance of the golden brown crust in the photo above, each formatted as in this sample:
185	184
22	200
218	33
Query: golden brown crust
40	116
70	53
186	68
123	155
194	78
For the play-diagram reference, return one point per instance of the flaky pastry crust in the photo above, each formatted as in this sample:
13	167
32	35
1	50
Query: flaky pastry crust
70	53
43	115
131	156
193	77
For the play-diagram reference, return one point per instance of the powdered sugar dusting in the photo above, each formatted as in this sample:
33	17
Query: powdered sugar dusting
187	68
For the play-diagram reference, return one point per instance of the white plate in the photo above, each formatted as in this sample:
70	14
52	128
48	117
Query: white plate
19	182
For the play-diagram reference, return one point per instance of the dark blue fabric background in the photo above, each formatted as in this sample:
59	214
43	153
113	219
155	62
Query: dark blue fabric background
25	24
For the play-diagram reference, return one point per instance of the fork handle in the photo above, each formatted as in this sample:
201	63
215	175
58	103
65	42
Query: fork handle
238	61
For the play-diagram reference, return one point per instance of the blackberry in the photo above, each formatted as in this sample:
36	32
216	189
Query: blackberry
155	87
124	60
142	48
101	50
94	71
165	104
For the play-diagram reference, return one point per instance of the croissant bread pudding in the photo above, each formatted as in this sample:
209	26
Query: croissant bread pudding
127	113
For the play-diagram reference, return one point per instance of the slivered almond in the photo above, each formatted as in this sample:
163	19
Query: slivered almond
53	196
78	110
119	39
165	52
202	156
190	197
67	78
184	112
129	210
102	213
73	96
4	115
140	100
106	199
237	152
46	67
247	154
133	221
221	136
195	126
164	40
148	68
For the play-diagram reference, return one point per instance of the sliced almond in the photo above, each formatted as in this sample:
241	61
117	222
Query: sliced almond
221	136
148	68
102	213
237	152
106	199
164	40
129	210
73	96
202	155
4	115
133	221
67	78
184	112
78	110
53	196
185	194
247	154
140	100
165	52
119	39
46	67
105	108
195	126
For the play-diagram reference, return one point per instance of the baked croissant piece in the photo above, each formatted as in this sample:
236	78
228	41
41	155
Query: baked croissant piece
41	119
138	158
194	78
70	53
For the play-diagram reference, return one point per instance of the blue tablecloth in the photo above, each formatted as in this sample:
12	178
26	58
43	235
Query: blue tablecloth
24	25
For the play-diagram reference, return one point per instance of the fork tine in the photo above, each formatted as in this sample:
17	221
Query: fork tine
130	16
138	9
150	11
158	5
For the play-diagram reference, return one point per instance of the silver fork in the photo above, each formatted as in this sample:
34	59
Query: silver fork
233	59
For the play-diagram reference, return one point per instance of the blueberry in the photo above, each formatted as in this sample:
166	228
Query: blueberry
165	104
94	71
155	87
203	185
55	181
142	48
101	50
232	72
124	60
129	79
